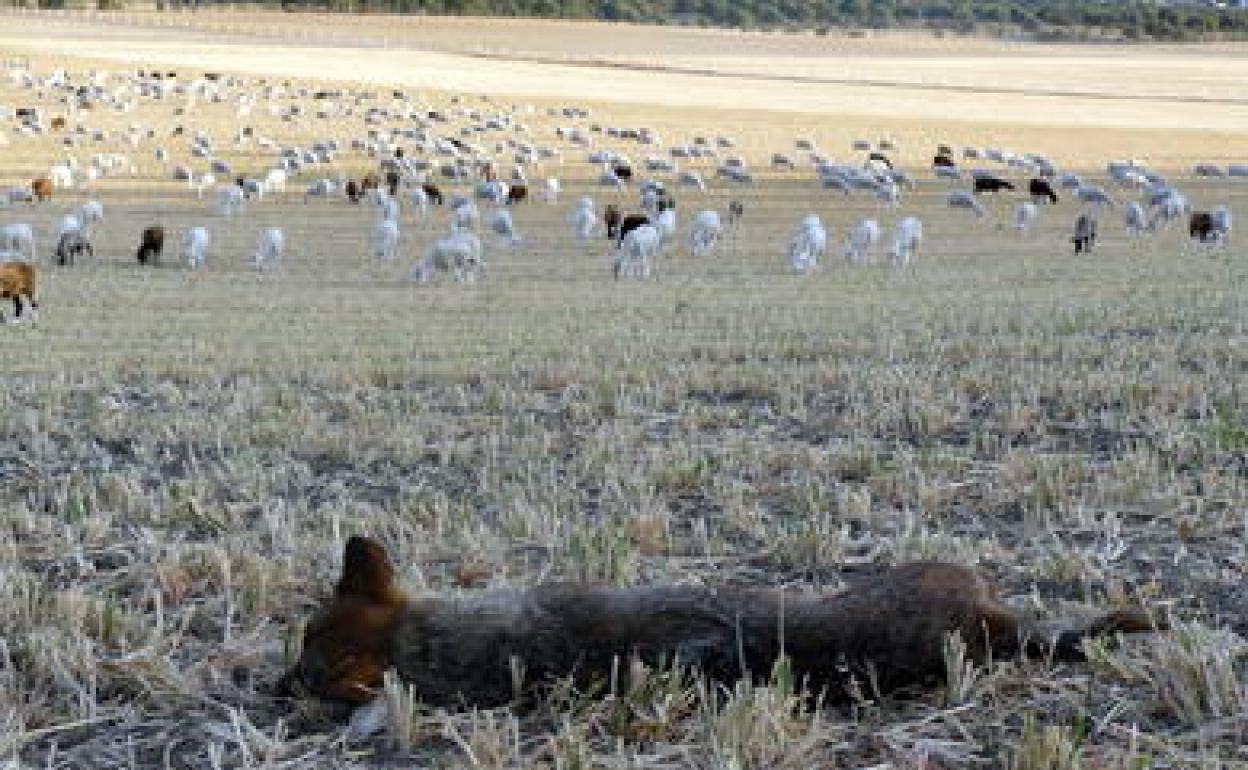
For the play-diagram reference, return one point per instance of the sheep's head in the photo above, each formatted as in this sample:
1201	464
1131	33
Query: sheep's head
349	644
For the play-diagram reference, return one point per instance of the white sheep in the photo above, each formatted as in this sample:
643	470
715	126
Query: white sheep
62	176
889	194
70	223
1025	214
458	253
501	224
388	206
1094	195
1136	220
808	244
584	219
907	236
275	180
1166	207
195	247
17	240
229	200
666	222
637	252
551	191
705	233
861	240
321	188
464	216
1221	224
385	239
961	199
269	249
90	214
201	182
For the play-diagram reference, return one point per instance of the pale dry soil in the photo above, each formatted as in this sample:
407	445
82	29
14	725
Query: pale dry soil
182	454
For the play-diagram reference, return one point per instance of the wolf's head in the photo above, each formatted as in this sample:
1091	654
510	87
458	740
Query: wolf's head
349	644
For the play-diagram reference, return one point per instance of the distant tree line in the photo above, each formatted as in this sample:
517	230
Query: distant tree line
1029	19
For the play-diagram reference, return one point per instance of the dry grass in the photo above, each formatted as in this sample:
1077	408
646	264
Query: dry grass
183	455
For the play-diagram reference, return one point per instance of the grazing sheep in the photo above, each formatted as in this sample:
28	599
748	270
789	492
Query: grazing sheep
432	192
691	179
389	206
1025	214
517	193
906	239
275	180
991	184
464	215
18	283
550	191
386	239
1085	233
90	214
1136	220
861	240
1094	195
808	244
253	189
501	224
628	224
17	240
195	247
41	188
637	251
229	200
1210	227
71	245
704	233
961	199
151	246
321	188
1041	191
69	223
666	222
458	253
1167	206
269	249
201	182
584	219
889	194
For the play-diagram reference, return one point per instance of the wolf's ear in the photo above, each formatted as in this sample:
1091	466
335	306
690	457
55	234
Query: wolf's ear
367	572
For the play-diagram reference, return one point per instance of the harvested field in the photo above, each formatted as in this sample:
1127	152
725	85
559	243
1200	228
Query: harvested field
183	453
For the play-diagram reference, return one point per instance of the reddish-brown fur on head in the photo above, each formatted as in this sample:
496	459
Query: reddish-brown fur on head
349	645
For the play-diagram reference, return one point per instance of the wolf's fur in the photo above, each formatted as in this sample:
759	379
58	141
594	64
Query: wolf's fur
887	632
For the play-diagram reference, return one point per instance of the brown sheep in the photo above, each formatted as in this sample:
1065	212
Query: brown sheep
889	630
42	188
17	282
151	246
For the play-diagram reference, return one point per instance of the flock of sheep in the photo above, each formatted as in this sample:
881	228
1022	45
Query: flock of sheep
403	149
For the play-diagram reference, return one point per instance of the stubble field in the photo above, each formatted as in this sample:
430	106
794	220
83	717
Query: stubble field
183	453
